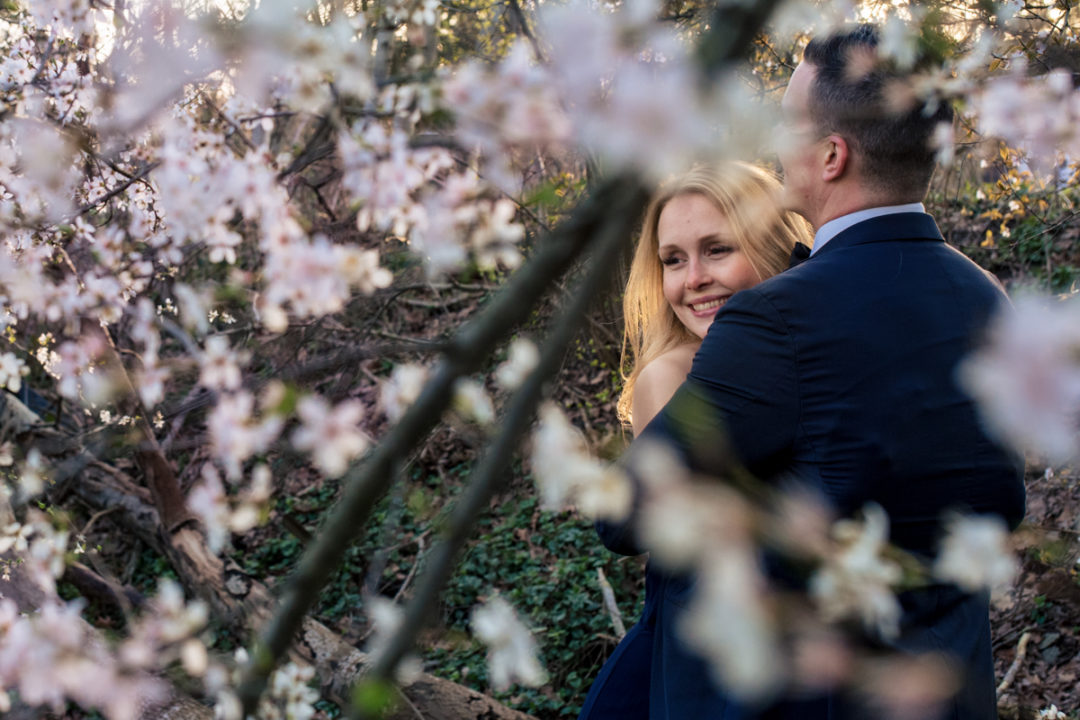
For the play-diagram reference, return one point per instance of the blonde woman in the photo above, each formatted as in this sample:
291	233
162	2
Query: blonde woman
706	235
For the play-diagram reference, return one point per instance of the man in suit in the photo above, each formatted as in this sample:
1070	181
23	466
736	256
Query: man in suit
842	372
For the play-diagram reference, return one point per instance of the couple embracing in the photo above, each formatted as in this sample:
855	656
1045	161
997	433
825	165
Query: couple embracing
839	371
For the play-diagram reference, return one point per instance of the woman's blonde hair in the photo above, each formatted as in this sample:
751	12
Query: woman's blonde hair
749	198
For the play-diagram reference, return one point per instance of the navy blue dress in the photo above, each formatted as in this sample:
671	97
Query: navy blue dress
621	690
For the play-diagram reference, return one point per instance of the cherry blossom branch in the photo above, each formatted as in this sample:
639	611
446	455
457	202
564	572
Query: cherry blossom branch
228	120
318	147
466	353
492	472
119	189
346	357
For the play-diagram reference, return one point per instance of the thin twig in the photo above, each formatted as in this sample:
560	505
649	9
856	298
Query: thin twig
412	571
94	518
610	604
523	23
1021	653
221	113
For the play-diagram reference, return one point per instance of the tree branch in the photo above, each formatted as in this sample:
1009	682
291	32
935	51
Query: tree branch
465	354
492	470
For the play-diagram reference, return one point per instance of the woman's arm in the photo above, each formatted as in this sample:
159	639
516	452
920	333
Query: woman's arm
657	382
655	385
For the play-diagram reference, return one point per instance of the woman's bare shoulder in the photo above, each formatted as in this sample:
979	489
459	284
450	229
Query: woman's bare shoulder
675	362
658	381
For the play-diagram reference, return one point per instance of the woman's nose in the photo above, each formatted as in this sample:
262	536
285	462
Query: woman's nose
696	276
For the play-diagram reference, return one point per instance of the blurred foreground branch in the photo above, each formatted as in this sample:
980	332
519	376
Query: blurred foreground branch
493	469
465	354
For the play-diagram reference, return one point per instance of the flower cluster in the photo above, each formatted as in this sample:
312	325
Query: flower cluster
402	389
511	648
220	516
473	401
515	104
522	357
1026	378
303	64
975	554
237	434
51	657
331	434
731	624
566	473
41	545
856	580
168	632
315	277
39	169
288	697
411	193
386	619
1002	107
12	371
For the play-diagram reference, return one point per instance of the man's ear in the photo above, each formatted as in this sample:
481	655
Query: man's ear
836	158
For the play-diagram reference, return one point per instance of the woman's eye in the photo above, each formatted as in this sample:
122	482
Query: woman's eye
669	261
719	249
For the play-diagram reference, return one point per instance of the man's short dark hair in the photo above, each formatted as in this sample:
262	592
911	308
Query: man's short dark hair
854	95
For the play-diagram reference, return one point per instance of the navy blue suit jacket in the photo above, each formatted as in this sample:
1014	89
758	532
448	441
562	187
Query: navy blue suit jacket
841	372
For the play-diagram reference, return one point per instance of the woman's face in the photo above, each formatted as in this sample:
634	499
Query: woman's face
702	263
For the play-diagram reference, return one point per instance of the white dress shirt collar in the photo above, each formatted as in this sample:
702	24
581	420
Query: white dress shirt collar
834	227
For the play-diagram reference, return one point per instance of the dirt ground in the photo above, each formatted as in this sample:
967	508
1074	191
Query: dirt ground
1036	624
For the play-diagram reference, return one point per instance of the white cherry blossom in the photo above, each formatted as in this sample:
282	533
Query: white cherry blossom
975	554
332	434
856	581
386	619
522	357
219	365
12	371
730	623
1026	378
565	472
512	651
402	389
472	401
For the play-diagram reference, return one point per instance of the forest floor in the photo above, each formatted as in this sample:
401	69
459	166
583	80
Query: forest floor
1036	624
